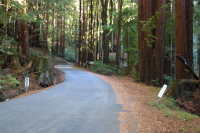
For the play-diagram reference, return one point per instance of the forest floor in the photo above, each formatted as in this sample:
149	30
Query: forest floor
135	98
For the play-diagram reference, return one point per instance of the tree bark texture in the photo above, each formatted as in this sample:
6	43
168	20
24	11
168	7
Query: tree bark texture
160	43
183	36
24	36
151	56
91	30
80	33
105	39
118	35
141	41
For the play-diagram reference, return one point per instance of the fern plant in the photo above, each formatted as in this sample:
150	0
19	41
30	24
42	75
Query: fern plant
8	81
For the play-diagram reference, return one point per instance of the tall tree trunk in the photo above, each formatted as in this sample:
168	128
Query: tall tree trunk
141	42
80	33
118	35
97	33
57	34
189	10
148	50
53	29
105	39
182	46
91	29
151	52
24	35
47	29
84	30
160	44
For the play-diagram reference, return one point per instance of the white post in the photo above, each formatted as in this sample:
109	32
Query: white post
162	91
27	83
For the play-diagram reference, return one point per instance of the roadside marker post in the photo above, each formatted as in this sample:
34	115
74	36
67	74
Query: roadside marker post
162	91
26	82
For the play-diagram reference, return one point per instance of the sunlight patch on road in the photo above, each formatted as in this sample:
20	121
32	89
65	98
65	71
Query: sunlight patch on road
62	66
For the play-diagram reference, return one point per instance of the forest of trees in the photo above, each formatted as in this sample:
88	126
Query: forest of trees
153	33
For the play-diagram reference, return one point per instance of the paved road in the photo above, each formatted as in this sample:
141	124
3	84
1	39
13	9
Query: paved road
83	103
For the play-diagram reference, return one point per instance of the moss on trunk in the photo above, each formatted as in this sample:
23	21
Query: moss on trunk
44	71
14	62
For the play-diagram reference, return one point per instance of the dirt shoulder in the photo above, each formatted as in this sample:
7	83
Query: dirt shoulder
134	97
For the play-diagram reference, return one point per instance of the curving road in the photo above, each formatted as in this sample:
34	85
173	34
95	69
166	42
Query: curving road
83	103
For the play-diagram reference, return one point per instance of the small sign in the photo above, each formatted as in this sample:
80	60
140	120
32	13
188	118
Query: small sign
162	91
26	81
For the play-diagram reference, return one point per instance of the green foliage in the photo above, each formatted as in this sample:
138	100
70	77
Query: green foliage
168	79
35	52
8	81
7	46
111	58
168	106
101	68
70	54
129	30
130	33
148	26
13	81
156	81
3	81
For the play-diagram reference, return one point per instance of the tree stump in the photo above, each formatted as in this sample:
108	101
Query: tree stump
44	71
14	62
187	94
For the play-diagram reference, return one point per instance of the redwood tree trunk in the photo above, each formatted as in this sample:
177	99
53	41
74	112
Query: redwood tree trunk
141	41
24	36
160	44
183	46
151	55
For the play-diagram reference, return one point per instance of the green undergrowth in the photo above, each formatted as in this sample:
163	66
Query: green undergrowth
168	107
99	67
8	81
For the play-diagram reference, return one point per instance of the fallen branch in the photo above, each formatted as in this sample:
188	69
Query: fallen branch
187	66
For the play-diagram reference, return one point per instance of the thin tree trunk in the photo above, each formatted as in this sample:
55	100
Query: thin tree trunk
80	33
91	44
118	35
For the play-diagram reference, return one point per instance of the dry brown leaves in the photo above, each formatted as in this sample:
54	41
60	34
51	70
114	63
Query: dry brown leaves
140	115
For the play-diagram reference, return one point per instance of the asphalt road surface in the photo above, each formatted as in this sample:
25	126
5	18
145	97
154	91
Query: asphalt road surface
83	103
